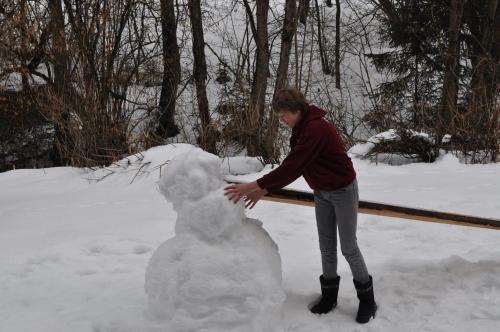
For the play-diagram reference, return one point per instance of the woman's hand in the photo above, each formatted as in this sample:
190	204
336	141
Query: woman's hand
252	198
250	192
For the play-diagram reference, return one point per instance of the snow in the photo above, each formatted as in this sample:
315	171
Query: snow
362	149
446	138
241	165
75	248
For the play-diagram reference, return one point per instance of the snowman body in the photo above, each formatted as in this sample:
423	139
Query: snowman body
221	271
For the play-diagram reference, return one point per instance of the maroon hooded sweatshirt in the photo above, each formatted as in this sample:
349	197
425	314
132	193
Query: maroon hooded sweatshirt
316	152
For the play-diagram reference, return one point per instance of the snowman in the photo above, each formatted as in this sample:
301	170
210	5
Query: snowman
221	271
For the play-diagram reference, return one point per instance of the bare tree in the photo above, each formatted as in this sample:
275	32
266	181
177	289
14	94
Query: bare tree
259	84
59	51
485	82
61	80
321	43
485	60
171	71
206	138
450	82
103	50
337	44
303	10
287	37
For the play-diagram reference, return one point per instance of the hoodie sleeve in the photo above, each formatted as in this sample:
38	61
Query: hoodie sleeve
307	149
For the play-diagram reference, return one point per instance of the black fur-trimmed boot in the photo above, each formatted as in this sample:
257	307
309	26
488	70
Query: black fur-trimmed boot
367	306
329	292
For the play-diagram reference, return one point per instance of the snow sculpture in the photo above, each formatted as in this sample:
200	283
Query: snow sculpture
221	271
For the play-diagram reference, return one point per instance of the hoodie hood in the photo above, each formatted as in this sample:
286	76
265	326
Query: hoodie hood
313	113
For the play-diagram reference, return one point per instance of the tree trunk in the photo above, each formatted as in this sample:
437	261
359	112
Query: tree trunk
62	139
486	77
496	80
303	11
259	85
322	52
337	45
171	72
206	138
251	21
287	37
483	74
24	49
58	45
450	82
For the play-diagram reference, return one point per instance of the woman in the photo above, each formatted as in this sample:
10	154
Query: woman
318	154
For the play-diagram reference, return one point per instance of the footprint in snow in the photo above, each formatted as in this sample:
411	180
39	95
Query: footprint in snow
86	272
43	259
142	249
95	249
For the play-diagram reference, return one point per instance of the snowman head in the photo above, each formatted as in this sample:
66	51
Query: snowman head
190	176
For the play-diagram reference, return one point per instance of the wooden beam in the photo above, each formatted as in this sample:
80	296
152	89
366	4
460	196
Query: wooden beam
392	211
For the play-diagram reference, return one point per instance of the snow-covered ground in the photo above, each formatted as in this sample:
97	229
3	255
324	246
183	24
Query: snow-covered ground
74	251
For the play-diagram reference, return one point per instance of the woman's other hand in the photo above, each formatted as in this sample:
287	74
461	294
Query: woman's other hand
252	198
250	192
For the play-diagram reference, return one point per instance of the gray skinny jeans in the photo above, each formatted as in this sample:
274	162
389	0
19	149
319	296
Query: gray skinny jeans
339	208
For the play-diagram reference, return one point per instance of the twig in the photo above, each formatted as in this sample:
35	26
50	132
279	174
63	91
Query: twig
140	168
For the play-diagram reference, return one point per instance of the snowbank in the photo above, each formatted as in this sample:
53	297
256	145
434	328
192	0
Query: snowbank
221	271
152	162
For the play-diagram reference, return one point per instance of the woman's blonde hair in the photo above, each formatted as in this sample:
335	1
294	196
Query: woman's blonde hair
290	99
